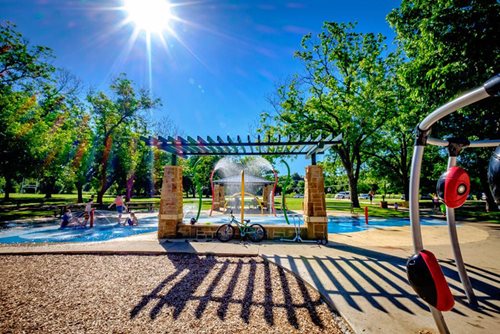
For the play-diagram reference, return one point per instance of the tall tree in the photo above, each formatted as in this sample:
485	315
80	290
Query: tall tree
343	91
389	152
62	112
452	46
124	109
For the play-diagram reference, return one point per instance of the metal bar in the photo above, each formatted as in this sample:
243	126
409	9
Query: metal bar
232	143
238	138
240	153
212	144
251	146
439	320
475	143
455	244
205	145
485	143
416	163
437	142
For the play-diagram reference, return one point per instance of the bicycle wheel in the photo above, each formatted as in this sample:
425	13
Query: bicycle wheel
225	232
257	233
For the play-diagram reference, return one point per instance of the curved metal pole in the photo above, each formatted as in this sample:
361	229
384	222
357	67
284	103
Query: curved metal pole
491	87
274	190
283	206
213	191
455	244
462	101
416	163
199	188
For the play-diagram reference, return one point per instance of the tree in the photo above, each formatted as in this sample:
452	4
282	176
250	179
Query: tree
452	47
343	91
62	113
22	68
21	64
112	115
389	152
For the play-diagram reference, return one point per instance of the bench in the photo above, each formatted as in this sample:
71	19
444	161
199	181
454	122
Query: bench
149	206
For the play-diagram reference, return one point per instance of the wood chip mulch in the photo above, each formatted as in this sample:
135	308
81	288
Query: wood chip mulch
157	294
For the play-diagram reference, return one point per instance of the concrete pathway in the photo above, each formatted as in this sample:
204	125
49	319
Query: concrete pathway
361	274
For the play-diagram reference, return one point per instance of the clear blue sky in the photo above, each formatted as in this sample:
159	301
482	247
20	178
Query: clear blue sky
215	74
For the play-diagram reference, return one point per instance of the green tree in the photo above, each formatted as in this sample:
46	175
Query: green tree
343	91
62	113
22	68
21	65
452	46
112	116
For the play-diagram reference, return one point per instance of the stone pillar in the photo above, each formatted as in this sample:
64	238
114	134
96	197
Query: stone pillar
222	197
219	200
314	203
266	191
170	203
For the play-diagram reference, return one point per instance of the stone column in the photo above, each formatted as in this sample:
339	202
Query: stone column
170	203
314	203
218	196
266	191
222	197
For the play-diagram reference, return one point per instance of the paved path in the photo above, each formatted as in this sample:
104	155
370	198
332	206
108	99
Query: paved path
361	274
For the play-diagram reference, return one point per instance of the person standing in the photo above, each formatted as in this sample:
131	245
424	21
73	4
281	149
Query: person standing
120	206
89	212
435	203
371	194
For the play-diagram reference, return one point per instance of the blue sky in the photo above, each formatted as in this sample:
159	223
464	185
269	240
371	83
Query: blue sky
215	74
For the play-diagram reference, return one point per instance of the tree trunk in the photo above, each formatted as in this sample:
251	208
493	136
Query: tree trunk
130	185
50	185
353	188
105	156
8	188
79	189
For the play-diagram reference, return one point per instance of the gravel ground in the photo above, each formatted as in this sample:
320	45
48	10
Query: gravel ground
157	294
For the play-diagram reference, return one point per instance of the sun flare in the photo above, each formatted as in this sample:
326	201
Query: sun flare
151	16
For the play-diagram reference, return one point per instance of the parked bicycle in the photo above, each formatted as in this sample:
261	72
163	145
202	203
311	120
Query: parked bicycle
255	232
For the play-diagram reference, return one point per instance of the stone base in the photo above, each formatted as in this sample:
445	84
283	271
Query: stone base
317	227
275	232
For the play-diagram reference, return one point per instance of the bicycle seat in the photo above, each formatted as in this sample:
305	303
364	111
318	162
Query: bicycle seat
246	220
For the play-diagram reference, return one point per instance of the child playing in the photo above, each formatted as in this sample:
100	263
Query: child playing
118	202
132	220
69	220
89	212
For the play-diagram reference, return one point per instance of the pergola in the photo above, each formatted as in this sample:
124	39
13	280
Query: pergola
171	212
240	145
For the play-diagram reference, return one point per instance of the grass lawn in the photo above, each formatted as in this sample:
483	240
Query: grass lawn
23	206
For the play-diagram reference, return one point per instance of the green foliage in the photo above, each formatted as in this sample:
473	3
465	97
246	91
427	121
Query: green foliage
343	91
452	46
118	119
20	63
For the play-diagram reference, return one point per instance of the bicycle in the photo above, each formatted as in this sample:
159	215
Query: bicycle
254	232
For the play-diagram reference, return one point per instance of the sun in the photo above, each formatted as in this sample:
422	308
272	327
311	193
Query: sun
151	16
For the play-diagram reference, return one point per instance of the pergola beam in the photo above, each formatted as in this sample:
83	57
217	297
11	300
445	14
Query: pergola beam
291	146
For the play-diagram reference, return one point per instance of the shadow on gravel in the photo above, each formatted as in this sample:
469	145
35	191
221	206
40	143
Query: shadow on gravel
251	285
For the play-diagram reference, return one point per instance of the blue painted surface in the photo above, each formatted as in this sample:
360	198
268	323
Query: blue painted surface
107	229
104	229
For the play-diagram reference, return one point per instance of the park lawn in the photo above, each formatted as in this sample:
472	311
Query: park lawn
26	206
